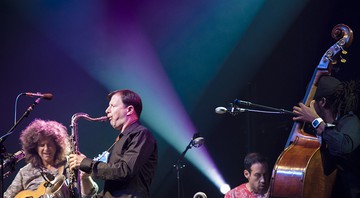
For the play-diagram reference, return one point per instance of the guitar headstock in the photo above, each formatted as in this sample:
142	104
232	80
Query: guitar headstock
343	35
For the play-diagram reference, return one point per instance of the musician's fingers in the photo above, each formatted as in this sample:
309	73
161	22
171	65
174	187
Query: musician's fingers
73	165
296	118
297	111
296	108
72	161
301	105
312	104
71	157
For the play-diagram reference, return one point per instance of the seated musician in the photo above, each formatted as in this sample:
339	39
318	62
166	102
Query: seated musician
332	116
257	173
46	145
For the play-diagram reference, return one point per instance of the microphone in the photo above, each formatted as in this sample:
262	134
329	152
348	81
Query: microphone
197	142
231	110
13	159
46	96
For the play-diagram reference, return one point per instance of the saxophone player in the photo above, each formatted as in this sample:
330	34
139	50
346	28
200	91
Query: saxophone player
46	145
130	165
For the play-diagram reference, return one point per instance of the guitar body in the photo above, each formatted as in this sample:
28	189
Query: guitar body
56	189
299	170
38	193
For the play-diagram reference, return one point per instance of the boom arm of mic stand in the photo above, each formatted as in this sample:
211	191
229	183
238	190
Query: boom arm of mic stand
3	138
26	114
267	108
183	153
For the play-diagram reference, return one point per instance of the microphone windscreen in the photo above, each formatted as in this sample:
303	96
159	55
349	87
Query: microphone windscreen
48	96
220	110
199	141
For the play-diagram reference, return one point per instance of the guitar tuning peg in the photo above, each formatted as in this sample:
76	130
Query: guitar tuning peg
334	62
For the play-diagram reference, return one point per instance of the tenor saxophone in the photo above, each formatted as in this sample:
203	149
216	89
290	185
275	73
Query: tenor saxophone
74	175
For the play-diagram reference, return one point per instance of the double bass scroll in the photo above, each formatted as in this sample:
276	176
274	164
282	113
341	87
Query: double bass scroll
299	171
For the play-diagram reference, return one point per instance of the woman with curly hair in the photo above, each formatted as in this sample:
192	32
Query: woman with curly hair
46	145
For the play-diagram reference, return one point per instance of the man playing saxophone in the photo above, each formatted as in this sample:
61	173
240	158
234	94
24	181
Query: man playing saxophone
130	165
46	145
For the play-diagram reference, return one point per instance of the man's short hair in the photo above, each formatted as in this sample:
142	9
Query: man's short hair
253	158
129	97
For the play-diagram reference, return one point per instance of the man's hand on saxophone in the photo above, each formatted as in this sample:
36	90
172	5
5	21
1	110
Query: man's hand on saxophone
89	187
75	160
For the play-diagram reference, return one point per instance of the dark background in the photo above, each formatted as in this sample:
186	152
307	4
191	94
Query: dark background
269	64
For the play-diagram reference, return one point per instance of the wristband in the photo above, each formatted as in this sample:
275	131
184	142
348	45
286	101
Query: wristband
315	123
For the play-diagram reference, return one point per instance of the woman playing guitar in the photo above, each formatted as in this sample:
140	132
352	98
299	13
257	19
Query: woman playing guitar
46	145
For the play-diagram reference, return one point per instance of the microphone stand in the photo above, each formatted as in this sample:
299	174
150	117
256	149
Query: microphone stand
178	166
196	141
3	138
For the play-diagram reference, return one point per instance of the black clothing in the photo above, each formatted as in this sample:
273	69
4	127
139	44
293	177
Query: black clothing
131	164
343	149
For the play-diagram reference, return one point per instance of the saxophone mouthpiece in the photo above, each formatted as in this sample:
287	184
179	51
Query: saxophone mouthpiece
103	118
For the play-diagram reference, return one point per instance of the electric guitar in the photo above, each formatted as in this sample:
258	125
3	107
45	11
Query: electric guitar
55	188
38	193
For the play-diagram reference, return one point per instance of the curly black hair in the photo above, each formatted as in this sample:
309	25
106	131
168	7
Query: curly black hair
36	131
345	98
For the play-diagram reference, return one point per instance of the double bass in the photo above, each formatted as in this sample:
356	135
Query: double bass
299	170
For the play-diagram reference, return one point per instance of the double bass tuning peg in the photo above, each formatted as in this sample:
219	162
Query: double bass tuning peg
343	60
342	50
